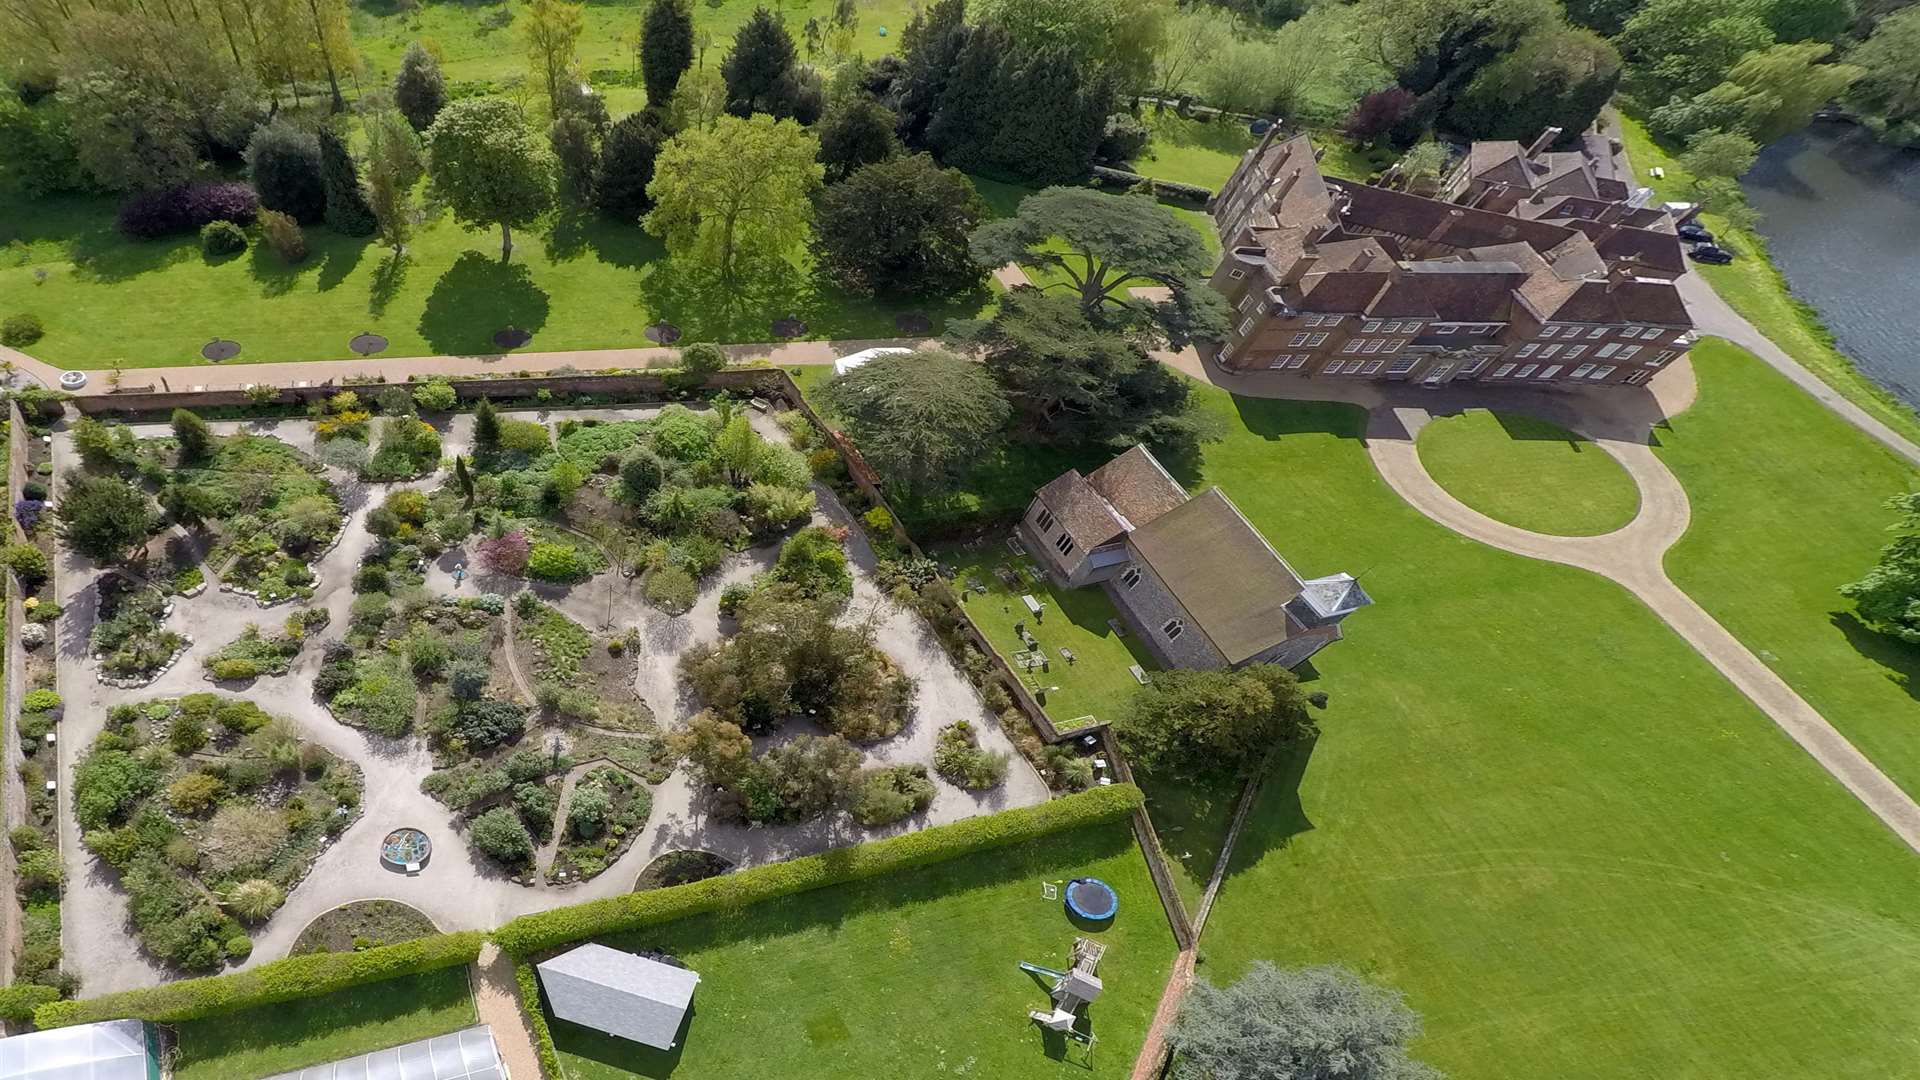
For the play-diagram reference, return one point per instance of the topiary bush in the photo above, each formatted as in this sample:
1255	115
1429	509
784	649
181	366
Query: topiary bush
560	926
21	330
222	238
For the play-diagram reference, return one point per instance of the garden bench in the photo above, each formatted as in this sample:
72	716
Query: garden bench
1139	674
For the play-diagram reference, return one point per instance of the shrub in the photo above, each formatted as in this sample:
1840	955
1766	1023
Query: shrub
18	1001
499	835
106	783
465	784
672	590
221	238
959	758
21	330
435	395
486	724
42	700
732	596
38	869
284	235
549	561
153	214
597	918
587	811
884	796
813	560
506	554
269	984
194	792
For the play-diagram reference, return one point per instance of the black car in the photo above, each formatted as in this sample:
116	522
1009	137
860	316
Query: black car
1695	233
1710	253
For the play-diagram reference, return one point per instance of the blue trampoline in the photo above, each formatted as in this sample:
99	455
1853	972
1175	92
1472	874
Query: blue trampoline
1092	899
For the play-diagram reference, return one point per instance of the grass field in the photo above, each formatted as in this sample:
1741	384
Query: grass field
1528	473
900	976
1532	808
1787	506
312	1031
1754	288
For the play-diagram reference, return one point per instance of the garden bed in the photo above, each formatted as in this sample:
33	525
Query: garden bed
363	924
575	678
680	868
212	811
605	811
129	642
269	506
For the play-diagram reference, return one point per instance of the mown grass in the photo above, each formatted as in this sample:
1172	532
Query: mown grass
1528	473
1537	812
1788	505
914	974
312	1031
1754	287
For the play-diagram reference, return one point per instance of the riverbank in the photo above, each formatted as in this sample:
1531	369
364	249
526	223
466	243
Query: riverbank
1754	287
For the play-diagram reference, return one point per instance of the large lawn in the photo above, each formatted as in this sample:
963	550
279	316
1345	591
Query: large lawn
1528	473
913	974
312	1031
1533	809
1787	506
1754	287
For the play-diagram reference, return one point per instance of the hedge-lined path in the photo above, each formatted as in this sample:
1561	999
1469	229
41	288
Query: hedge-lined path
460	890
496	997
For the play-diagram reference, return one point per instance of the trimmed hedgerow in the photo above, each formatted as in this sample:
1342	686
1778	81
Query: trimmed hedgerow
18	1001
560	926
283	980
537	1019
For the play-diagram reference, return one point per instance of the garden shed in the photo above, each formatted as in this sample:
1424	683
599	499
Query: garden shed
622	994
113	1050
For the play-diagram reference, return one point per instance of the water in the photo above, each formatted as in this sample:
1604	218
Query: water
1843	221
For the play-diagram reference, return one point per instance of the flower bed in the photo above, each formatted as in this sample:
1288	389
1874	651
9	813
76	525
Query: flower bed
606	810
128	641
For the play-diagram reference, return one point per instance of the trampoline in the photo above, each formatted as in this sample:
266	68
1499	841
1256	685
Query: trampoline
406	849
366	344
1092	899
662	333
789	327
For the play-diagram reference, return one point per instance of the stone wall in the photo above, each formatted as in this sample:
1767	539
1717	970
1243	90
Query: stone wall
1147	606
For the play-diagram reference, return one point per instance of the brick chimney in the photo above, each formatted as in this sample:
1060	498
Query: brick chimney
1545	140
1619	274
1301	267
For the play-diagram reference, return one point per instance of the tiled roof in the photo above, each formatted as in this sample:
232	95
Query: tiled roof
1623	302
1223	572
1468	291
1439	222
1138	486
1342	291
1080	510
1645	247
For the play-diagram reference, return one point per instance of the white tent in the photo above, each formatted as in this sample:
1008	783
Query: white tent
619	993
113	1050
848	363
464	1055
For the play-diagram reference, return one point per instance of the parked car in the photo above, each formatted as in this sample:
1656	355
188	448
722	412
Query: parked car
1695	233
1710	253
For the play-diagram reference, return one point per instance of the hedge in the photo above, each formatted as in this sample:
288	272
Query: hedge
18	1001
537	1019
268	984
559	926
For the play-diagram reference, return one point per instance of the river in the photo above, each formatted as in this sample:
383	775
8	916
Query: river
1842	217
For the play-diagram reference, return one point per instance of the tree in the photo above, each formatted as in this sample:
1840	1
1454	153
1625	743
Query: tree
1110	242
1769	94
666	48
283	163
627	157
419	90
193	435
1889	83
551	31
735	192
1606	17
930	48
856	131
1197	722
1007	109
715	750
1192	41
699	99
814	563
1679	48
1261	73
758	66
394	166
347	212
899	228
102	516
810	773
1718	155
1310	1023
919	418
464	477
1117	38
1808	20
575	157
1888	597
1075	382
488	168
499	835
1556	76
486	427
1377	114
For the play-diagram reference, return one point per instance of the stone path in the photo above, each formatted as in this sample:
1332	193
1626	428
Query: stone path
496	997
460	890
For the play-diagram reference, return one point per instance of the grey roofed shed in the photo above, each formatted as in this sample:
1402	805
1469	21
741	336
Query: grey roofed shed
619	993
112	1050
463	1055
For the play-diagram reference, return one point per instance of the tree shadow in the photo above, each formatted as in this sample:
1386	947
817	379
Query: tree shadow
342	254
388	279
477	296
707	307
1901	660
276	276
1277	815
1271	418
567	235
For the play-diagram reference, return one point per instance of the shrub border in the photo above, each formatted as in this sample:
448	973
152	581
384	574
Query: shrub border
269	984
560	926
536	1015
